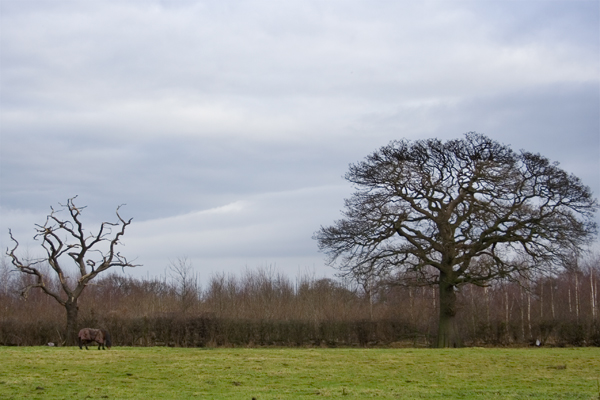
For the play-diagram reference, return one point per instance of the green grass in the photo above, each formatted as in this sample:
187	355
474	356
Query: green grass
176	373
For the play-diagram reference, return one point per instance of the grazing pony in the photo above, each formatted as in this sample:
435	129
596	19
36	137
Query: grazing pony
100	336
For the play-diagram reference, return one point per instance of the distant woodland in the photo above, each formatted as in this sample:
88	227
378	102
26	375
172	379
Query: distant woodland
265	308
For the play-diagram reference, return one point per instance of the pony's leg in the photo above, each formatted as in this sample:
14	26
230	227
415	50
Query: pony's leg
80	347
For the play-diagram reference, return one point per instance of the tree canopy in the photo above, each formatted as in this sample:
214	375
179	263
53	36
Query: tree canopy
468	210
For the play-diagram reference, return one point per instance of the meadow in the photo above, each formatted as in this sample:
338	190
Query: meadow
282	373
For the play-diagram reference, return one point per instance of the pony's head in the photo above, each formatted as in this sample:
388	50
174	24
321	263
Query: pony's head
107	339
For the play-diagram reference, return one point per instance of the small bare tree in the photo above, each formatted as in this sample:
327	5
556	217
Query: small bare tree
92	254
186	282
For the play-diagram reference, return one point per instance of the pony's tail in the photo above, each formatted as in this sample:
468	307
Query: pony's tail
80	344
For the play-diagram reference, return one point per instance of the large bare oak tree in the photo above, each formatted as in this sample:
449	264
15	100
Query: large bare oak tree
64	238
464	211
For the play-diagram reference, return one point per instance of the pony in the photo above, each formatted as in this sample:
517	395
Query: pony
100	336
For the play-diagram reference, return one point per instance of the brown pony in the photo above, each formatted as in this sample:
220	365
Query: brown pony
100	336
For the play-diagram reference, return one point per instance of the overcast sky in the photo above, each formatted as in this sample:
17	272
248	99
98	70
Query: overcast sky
226	126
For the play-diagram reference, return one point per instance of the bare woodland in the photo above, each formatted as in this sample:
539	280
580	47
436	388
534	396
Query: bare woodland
264	308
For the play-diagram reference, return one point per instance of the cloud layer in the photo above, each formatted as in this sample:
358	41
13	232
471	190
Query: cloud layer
226	126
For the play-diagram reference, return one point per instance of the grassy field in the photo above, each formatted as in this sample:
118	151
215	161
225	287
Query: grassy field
177	373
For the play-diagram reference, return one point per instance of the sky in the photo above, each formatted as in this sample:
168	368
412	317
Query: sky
226	127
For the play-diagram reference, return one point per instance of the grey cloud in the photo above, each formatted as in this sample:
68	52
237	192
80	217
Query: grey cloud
252	49
238	230
180	108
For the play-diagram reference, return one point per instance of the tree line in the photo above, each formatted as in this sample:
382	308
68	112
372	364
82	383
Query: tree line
265	308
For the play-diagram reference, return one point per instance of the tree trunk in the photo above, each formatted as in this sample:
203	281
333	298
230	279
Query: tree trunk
447	331
592	294
552	301
577	296
522	314
72	312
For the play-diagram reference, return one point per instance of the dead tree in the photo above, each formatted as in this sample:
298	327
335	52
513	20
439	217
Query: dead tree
64	238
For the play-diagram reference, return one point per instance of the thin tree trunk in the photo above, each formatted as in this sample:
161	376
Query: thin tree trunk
412	304
542	301
529	312
522	315
487	306
592	294
577	296
507	312
370	285
569	292
506	307
473	312
552	301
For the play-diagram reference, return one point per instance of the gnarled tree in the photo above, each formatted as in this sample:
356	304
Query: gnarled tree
64	238
465	211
